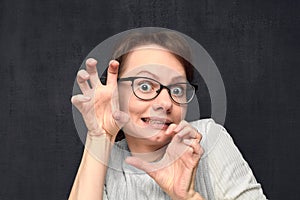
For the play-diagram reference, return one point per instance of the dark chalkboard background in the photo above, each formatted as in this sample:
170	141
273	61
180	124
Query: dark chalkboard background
255	45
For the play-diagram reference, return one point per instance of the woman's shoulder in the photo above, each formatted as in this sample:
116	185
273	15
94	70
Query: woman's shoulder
212	134
229	173
208	128
203	125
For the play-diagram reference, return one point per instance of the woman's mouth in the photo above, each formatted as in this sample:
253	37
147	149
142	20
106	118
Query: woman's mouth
156	123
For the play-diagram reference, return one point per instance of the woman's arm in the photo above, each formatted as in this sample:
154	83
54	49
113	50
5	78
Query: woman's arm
89	181
98	105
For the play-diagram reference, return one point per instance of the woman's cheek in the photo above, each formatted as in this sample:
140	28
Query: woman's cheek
123	99
136	107
181	110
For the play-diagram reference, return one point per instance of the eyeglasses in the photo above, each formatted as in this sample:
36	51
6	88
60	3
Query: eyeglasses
147	89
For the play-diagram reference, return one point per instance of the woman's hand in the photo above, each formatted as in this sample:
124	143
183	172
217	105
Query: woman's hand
99	104
175	172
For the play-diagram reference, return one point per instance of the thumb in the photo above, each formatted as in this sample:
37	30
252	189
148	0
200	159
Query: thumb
121	118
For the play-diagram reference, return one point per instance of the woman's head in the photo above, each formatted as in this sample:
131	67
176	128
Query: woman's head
152	56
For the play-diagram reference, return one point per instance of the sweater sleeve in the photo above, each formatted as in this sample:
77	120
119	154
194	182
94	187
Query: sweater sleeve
230	174
104	193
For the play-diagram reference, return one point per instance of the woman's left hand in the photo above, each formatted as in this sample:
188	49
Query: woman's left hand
175	172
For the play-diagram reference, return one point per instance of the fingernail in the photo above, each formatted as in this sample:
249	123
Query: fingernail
111	62
170	129
90	60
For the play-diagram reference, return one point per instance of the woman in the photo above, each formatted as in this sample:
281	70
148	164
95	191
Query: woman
162	156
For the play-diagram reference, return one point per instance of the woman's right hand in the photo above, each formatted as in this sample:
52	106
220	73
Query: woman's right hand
98	103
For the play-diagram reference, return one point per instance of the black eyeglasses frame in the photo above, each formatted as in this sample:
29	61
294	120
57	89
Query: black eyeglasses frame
167	87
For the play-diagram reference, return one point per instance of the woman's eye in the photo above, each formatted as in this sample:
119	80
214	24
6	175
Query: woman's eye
145	87
177	91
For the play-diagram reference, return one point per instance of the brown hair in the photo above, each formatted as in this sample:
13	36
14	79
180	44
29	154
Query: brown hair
169	40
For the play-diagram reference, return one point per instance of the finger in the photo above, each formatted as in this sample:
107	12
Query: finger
193	152
197	154
181	125
82	77
194	175
195	149
194	144
198	136
121	118
200	151
78	100
115	99
188	132
112	73
176	148
91	68
170	129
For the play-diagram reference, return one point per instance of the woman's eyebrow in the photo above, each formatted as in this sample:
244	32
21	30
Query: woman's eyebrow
154	76
179	79
149	73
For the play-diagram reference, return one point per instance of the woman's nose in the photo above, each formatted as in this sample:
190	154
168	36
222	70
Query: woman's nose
163	101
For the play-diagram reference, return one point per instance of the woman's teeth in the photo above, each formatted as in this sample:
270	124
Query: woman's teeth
155	121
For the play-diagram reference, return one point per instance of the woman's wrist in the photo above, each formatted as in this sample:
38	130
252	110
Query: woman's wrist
99	146
100	133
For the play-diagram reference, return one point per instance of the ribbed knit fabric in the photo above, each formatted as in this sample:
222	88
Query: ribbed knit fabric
222	172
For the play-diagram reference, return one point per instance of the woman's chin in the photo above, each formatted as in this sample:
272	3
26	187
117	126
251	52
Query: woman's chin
155	131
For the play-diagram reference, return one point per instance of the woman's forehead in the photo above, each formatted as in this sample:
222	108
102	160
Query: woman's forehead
165	74
154	59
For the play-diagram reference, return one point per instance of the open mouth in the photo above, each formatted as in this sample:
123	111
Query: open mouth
159	123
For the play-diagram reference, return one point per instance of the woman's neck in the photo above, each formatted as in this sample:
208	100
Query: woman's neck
140	147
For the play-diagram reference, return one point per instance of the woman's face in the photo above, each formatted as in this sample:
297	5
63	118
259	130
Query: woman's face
149	119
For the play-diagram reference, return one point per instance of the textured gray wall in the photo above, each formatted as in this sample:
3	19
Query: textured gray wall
255	45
